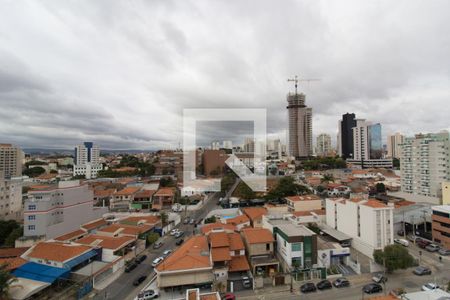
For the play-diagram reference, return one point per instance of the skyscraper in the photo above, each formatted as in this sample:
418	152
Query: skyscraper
11	158
300	126
394	145
87	160
345	135
323	144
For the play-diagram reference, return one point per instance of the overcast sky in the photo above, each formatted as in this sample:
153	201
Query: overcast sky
119	73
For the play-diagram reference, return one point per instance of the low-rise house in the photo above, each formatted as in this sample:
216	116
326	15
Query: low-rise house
112	247
190	264
151	220
143	199
259	245
102	197
72	236
240	221
303	202
94	225
136	231
217	227
163	198
122	199
255	215
309	216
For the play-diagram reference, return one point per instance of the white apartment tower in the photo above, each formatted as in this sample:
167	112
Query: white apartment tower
300	126
425	163
394	143
10	198
11	158
87	160
323	144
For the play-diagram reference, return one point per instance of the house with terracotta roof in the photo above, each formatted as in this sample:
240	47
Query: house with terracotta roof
11	257
190	264
259	245
368	222
117	229
94	225
317	216
143	199
164	198
206	229
112	247
71	236
103	196
137	220
195	294
122	199
303	202
240	221
255	215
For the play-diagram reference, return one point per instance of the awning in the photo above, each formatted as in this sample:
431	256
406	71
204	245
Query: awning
80	259
24	288
39	272
340	236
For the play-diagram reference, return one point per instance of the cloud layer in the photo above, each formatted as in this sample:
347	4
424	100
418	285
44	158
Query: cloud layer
119	73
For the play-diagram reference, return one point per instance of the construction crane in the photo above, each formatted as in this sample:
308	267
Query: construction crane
296	80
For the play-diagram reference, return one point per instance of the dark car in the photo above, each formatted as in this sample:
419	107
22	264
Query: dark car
139	280
420	270
341	282
179	242
308	287
324	285
421	243
141	258
372	288
130	267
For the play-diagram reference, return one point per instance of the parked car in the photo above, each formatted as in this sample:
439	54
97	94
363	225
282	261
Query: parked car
179	242
229	296
379	278
186	221
420	270
139	280
429	286
157	245
157	261
341	282
421	243
192	222
246	282
147	295
412	238
444	252
401	232
372	288
402	242
179	234
324	285
174	231
130	267
308	287
432	248
167	253
141	258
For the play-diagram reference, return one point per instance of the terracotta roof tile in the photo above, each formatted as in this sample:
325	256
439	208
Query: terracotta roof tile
220	254
303	198
134	220
193	254
127	191
126	229
238	220
304	213
165	191
257	235
12	252
56	251
12	263
219	239
71	235
106	242
236	242
94	224
375	204
207	228
255	212
104	193
238	264
145	194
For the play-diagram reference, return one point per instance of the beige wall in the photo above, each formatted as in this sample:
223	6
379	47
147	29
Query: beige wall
175	279
259	249
306	205
446	193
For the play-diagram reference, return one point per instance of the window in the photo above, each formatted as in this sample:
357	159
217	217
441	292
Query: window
267	247
31	227
31	218
296	247
32	207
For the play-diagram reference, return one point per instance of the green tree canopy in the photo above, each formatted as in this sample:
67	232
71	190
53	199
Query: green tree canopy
34	172
152	237
327	178
6	228
287	187
380	188
394	257
244	191
211	219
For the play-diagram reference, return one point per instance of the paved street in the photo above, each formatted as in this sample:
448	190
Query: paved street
123	288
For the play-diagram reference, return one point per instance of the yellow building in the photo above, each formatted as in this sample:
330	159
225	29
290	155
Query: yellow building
446	193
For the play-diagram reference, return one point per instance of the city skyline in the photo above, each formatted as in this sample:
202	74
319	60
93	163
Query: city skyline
123	82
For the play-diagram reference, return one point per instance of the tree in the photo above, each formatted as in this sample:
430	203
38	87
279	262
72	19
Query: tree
76	177
380	188
287	187
327	178
152	237
6	278
6	228
34	172
164	217
13	236
211	219
393	257
396	163
243	191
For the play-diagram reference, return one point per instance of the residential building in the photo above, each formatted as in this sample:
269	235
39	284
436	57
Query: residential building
323	145
112	247
214	162
255	215
441	225
87	160
446	193
345	135
394	143
300	126
367	146
425	163
249	145
303	203
369	223
53	211
259	244
227	145
240	221
190	264
11	158
215	145
163	198
10	199
122	199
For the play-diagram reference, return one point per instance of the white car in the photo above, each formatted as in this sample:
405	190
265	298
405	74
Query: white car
167	253
147	295
174	231
157	261
429	286
402	242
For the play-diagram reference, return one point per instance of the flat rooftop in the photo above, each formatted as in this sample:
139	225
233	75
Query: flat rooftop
295	230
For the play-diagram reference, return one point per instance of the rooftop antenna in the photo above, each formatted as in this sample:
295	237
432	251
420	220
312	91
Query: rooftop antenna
296	80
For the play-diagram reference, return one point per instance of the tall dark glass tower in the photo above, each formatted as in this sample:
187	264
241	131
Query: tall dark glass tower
348	122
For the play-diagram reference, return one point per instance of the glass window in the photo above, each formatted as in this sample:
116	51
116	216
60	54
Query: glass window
32	207
31	227
31	218
296	247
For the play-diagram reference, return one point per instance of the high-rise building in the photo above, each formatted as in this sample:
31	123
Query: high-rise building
300	126
367	146
10	198
424	163
215	145
11	158
345	135
249	145
227	145
87	160
323	144
394	145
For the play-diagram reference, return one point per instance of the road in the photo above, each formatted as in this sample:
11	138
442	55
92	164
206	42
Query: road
123	289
